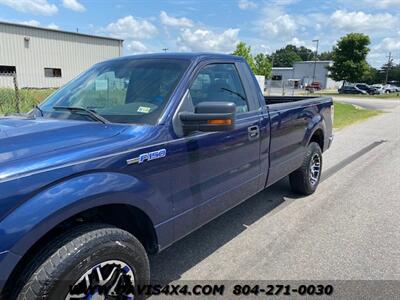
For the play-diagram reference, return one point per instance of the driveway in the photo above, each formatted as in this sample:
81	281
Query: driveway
370	103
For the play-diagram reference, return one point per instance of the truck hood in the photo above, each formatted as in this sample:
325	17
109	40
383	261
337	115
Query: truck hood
22	137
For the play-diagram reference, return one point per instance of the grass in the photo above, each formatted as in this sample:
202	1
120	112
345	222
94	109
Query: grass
395	96
29	98
347	114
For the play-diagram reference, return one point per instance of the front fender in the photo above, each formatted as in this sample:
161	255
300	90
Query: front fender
34	218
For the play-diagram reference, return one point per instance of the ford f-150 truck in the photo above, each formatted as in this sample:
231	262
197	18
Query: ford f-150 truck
134	154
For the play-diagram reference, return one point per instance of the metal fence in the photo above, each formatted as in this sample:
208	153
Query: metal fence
282	88
15	100
11	98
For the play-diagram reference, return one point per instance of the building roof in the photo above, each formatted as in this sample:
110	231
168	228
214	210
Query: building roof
282	68
57	30
313	62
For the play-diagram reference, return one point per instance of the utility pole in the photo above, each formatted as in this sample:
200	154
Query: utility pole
389	64
164	49
315	59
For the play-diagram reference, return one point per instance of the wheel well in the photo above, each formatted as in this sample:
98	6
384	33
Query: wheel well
318	137
123	216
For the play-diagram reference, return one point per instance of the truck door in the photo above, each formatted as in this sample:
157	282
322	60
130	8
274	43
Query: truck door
215	170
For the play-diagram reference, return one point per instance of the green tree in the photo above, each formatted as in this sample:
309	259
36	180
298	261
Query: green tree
263	65
349	58
393	73
245	51
370	75
305	53
327	55
285	57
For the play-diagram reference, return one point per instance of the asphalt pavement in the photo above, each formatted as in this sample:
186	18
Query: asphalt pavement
348	230
370	103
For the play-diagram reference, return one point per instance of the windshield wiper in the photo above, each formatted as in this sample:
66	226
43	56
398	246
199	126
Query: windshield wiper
235	93
39	110
89	112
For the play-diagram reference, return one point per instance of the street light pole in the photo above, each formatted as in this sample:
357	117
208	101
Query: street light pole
315	59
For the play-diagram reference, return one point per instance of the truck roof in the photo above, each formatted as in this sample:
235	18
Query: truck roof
182	55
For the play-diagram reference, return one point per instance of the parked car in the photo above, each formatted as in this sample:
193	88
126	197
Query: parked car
389	88
397	88
351	89
379	88
367	88
100	175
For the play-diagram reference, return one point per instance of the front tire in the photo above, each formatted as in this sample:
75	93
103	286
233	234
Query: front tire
106	257
305	179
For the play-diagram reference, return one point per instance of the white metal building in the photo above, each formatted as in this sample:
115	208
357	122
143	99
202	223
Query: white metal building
43	57
302	73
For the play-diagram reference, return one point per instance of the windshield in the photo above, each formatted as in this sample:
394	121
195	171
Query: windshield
121	91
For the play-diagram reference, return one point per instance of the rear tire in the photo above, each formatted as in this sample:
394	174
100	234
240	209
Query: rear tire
305	179
87	250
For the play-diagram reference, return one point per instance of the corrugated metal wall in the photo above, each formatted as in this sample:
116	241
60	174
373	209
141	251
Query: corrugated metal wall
305	70
33	49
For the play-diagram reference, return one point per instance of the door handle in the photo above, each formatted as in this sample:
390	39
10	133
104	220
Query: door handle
253	132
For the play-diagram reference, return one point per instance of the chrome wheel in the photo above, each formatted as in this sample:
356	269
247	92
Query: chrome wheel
315	169
112	279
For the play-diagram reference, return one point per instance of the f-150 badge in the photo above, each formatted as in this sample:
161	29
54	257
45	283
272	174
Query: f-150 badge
148	156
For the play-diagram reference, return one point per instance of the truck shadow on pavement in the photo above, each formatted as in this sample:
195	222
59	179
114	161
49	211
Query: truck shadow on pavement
168	265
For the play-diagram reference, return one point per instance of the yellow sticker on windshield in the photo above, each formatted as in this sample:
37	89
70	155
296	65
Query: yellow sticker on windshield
143	109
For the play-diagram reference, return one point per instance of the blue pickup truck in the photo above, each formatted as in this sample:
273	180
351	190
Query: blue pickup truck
134	154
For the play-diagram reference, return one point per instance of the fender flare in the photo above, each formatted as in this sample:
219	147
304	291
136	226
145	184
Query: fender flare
29	222
316	123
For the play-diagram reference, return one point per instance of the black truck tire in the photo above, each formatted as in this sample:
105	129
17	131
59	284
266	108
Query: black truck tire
95	248
305	180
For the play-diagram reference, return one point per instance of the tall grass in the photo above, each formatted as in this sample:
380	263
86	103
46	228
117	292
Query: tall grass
29	98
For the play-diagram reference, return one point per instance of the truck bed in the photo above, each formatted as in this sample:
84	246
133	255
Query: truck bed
286	99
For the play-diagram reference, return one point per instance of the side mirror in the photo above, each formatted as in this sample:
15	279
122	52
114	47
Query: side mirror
209	117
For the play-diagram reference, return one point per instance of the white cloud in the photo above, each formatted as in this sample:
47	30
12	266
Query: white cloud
246	4
52	26
136	47
74	5
285	2
361	21
283	25
207	40
130	27
389	44
297	42
174	22
40	7
383	3
31	23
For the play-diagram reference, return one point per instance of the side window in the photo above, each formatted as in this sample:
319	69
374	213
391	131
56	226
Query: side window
219	82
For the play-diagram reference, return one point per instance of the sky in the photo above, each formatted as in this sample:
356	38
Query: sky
218	25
